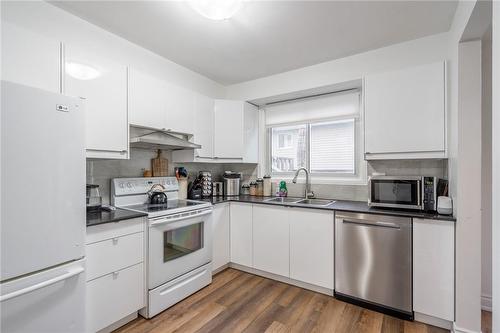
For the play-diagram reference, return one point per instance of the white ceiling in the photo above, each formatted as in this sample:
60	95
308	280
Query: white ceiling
265	37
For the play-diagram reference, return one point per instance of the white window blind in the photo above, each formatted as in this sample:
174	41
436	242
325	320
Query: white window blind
332	147
339	105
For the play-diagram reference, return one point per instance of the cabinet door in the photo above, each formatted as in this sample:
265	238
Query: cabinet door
251	133
220	232
405	111
126	285
241	234
30	59
103	85
434	268
271	239
180	109
228	129
147	100
311	246
204	126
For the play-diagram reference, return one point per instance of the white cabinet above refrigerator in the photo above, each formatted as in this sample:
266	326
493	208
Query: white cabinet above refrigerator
103	85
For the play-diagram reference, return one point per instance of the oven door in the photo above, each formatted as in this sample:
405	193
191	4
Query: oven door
178	244
395	192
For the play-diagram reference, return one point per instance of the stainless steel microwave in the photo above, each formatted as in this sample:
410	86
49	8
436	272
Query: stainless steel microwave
406	192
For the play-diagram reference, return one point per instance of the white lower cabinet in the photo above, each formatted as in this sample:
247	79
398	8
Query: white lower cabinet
114	296
271	248
220	234
115	272
241	234
434	268
311	246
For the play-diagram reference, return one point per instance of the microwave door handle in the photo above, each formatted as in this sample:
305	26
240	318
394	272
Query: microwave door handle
180	217
420	187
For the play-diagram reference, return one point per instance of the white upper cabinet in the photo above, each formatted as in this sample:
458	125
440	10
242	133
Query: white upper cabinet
434	268
229	129
159	104
147	100
228	132
236	131
103	85
180	109
405	113
311	246
30	59
204	126
271	247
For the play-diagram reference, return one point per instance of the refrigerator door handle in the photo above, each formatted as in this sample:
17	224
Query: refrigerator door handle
41	285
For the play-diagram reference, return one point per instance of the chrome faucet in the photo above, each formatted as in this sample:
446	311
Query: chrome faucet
307	193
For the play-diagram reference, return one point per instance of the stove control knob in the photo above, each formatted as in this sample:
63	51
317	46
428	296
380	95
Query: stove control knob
121	185
129	185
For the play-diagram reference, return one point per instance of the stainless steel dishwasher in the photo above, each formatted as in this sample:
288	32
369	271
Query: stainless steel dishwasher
373	262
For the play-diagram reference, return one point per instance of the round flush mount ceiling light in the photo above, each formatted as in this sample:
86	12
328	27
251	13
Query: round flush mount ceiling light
81	71
216	9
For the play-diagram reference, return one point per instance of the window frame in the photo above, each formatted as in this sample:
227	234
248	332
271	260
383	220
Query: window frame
359	177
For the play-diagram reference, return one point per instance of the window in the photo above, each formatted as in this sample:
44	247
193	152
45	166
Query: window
322	134
331	147
289	157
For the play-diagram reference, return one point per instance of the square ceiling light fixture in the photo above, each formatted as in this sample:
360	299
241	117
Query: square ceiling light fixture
216	9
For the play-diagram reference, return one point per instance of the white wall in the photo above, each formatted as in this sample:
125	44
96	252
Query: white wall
496	165
468	229
53	22
486	173
420	51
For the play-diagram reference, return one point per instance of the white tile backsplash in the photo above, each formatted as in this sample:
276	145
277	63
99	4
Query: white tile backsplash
102	171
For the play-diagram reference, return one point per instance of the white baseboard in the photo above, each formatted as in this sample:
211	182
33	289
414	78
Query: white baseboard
119	323
283	279
486	303
457	329
220	269
438	322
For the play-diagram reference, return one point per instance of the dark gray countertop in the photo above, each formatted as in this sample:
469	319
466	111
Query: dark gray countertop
101	217
339	205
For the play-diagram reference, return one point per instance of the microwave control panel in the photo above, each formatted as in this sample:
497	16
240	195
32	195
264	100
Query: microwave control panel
429	193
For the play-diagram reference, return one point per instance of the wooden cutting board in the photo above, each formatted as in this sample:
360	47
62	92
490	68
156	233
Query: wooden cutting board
159	165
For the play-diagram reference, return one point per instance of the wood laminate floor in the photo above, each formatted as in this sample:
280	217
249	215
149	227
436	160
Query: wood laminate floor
240	302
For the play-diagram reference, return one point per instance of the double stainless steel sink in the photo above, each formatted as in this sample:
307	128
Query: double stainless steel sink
304	202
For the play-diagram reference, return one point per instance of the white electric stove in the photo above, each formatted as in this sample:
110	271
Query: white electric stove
179	240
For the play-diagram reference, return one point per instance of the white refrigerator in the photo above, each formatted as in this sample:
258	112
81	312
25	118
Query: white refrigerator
42	286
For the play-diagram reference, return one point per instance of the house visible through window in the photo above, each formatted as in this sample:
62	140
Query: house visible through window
285	140
320	134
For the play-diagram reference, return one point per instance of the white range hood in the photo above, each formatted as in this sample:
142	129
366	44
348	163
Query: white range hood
152	138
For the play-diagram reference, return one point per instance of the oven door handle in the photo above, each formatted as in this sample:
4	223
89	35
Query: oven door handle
180	217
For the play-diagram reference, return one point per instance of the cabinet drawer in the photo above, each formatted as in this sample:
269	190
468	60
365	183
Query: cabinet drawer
114	296
114	254
110	230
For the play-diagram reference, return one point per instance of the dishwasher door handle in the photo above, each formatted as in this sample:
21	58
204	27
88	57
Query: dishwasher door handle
372	224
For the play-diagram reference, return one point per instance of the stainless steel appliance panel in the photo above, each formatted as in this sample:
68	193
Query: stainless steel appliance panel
373	259
231	186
